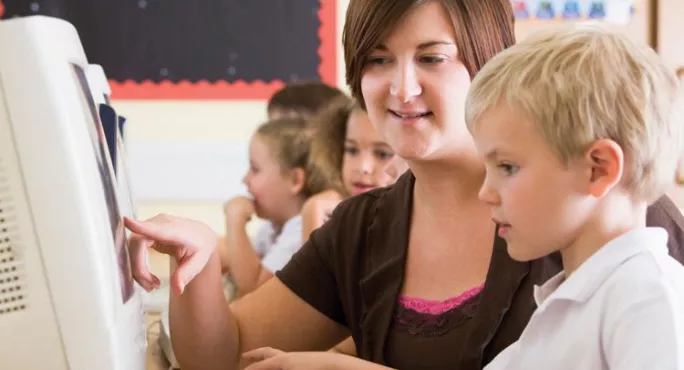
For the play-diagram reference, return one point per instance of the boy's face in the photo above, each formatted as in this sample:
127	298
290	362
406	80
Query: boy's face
539	203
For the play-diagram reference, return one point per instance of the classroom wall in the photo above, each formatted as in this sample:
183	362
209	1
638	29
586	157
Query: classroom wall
175	147
671	48
186	157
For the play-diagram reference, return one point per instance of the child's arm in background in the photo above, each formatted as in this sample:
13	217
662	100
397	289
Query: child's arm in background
317	209
223	255
238	254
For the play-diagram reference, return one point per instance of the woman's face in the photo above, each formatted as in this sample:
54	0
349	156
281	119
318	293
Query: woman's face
414	86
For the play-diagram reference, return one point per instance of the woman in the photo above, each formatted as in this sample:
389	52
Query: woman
409	271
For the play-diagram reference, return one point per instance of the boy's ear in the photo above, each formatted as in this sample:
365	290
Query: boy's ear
606	162
298	178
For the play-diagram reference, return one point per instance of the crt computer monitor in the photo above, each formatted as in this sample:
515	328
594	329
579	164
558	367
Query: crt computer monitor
112	124
67	298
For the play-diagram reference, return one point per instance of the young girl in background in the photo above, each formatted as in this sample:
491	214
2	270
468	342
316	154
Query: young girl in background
279	183
349	155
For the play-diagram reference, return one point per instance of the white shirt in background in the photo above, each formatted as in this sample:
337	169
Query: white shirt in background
621	309
278	250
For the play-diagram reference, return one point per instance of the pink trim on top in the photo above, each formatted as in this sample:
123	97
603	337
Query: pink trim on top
438	307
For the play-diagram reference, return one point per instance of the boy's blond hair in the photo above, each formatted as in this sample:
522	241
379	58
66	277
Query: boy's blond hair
584	83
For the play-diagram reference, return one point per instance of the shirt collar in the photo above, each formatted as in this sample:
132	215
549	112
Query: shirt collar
292	226
593	272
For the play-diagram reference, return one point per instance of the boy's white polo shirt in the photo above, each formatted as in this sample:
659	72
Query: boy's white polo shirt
623	308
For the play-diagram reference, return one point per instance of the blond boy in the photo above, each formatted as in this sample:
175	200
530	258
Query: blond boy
580	132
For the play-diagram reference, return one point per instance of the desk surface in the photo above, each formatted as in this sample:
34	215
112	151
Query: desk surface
155	356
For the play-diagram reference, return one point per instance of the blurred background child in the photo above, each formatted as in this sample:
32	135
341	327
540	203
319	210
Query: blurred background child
349	155
301	99
279	183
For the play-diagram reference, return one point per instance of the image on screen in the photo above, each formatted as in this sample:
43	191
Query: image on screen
101	152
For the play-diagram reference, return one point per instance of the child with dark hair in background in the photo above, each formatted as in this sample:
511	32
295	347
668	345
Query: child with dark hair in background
301	99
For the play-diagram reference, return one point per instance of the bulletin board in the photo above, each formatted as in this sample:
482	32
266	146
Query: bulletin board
634	18
572	9
181	49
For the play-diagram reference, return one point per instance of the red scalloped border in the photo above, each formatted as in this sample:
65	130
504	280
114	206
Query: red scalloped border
149	90
327	50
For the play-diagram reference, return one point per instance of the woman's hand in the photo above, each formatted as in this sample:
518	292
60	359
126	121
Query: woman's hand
273	359
189	242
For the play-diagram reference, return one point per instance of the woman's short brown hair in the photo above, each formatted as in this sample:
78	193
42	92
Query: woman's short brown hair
483	28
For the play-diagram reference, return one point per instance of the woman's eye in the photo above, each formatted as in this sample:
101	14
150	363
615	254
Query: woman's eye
378	60
432	59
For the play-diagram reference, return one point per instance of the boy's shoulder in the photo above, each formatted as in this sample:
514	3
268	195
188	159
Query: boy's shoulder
648	286
646	276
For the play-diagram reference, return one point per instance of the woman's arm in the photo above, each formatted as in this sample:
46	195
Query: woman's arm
347	347
208	334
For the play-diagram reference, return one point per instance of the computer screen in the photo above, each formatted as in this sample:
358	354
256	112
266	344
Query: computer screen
110	125
101	152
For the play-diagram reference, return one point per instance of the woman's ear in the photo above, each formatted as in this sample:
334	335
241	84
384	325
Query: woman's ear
606	162
298	179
